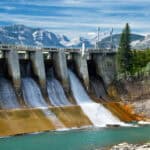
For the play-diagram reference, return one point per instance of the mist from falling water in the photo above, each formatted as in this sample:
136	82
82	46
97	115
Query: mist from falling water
56	93
33	98
97	113
8	99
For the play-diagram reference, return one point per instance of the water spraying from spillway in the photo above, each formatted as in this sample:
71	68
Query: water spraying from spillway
32	94
97	113
56	93
8	99
33	97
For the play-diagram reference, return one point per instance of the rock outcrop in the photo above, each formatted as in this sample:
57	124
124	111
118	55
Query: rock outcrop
126	146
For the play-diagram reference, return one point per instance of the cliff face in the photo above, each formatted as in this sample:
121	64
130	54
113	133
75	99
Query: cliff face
135	92
138	94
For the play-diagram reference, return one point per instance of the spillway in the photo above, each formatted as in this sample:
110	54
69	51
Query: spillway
32	94
56	93
8	99
98	88
97	113
33	97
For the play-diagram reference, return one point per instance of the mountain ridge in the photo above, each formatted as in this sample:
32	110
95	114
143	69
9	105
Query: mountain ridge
23	35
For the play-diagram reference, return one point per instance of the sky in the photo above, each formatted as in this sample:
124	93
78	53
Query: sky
77	17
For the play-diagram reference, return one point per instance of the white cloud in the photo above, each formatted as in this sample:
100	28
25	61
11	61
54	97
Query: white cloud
67	23
80	3
9	7
92	33
80	16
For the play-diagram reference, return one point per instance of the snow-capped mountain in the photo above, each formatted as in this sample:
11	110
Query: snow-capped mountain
77	42
106	42
141	44
22	35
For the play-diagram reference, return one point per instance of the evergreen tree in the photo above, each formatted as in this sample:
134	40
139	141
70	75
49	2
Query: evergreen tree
124	57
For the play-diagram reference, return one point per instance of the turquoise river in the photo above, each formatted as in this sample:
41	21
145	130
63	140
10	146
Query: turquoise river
85	139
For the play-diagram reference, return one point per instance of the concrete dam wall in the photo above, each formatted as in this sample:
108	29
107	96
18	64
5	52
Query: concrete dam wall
56	89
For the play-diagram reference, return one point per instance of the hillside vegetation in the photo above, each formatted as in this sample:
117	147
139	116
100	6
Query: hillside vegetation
131	62
141	60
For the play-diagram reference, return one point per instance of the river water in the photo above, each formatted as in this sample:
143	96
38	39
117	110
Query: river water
77	139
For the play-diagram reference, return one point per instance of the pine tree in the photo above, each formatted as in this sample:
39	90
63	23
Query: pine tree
124	56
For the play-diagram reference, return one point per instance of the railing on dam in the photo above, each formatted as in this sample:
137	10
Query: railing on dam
6	47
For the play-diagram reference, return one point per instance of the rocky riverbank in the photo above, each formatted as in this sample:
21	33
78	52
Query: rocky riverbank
126	146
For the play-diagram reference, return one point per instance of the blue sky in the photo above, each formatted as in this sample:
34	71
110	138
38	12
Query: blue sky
77	17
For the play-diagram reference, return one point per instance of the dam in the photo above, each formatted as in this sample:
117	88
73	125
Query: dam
43	89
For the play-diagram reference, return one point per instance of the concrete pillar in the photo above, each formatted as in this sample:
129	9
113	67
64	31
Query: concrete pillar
38	66
82	68
14	68
105	67
60	68
14	72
